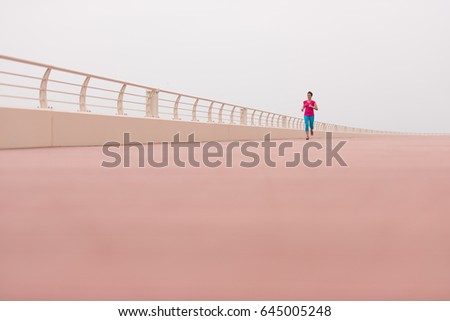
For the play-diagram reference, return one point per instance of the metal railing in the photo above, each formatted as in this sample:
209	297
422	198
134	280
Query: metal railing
27	84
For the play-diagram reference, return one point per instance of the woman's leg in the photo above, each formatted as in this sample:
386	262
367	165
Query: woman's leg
307	123
312	125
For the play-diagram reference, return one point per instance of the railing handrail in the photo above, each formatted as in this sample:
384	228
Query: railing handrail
152	101
80	73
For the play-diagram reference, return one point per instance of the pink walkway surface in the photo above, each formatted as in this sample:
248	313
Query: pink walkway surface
378	229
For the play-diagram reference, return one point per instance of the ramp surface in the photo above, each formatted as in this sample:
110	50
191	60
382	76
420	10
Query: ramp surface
377	229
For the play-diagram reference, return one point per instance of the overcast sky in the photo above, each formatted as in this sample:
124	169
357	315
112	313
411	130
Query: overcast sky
377	64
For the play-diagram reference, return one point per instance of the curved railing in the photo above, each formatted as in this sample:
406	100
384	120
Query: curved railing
30	84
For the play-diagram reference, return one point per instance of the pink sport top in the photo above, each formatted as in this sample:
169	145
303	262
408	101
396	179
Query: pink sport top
308	104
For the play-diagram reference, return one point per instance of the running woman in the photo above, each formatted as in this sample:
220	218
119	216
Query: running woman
309	106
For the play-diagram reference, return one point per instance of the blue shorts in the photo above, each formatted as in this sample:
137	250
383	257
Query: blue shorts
309	122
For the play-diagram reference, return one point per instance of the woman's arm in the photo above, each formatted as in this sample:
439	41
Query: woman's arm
316	107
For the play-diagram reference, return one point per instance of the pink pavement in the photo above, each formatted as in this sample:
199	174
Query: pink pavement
377	229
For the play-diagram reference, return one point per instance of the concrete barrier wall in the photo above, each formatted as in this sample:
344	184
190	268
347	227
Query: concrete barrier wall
20	128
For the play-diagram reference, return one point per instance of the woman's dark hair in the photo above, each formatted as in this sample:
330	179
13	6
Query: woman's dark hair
310	93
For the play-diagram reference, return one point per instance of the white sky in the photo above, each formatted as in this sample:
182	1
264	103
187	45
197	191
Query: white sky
377	64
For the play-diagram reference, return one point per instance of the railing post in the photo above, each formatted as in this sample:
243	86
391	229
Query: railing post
43	89
175	108
220	114
210	120
284	121
194	110
120	100
83	94
152	103
260	118
253	117
232	115
244	116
